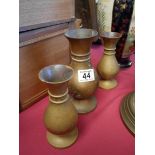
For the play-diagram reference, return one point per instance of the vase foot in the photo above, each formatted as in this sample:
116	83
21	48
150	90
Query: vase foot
85	105
62	141
107	84
125	63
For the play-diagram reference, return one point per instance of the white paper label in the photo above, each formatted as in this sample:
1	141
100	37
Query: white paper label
86	75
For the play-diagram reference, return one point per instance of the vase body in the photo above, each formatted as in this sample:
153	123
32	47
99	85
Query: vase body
129	46
123	22
80	42
108	66
60	116
104	15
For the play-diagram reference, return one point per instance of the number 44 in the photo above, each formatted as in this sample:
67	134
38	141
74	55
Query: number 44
85	75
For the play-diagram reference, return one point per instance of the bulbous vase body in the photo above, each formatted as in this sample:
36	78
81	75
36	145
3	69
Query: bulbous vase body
60	116
85	79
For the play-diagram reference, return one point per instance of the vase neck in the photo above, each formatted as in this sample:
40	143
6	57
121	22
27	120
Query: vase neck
58	99
109	51
80	46
58	89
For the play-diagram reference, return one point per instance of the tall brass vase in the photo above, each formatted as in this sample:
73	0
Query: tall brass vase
108	66
60	116
80	42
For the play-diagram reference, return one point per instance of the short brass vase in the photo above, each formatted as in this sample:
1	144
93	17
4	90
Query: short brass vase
60	116
82	91
108	66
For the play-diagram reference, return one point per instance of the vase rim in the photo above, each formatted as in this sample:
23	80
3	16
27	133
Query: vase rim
82	33
48	74
111	35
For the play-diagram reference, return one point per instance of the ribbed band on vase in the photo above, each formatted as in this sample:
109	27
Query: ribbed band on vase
80	57
58	99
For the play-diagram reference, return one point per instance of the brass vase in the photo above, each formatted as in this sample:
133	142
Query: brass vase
108	66
127	110
80	42
60	116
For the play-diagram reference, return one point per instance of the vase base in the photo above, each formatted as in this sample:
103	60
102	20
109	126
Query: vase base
125	63
85	105
107	84
62	141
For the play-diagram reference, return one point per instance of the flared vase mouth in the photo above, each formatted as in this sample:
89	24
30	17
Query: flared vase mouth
111	35
81	33
56	74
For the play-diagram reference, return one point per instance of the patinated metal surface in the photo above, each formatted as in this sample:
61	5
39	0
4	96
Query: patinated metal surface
108	66
60	116
80	43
